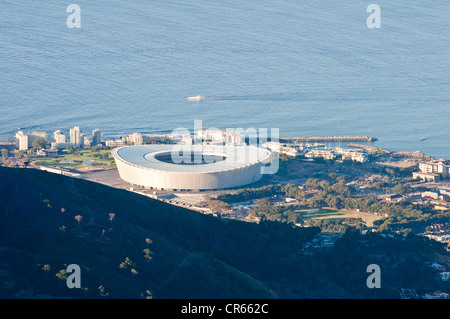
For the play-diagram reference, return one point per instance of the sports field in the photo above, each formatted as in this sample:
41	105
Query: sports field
329	213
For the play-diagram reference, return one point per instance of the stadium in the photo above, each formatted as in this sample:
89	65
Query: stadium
190	168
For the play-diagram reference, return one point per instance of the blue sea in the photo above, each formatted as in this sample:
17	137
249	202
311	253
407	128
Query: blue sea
309	68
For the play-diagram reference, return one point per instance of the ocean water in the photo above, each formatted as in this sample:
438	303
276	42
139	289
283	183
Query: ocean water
309	68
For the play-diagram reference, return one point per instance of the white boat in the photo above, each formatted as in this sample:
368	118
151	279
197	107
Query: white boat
196	98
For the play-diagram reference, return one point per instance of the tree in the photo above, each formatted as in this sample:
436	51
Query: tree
46	268
312	183
218	206
126	263
134	271
293	217
5	154
102	292
291	190
399	189
301	196
62	274
340	188
39	144
324	185
263	204
70	149
78	218
147	254
332	175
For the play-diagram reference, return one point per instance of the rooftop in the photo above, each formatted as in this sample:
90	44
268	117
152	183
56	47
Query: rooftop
215	157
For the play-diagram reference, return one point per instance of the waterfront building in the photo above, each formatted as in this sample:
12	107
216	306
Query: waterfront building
280	148
75	136
59	137
25	141
115	143
220	136
22	140
60	145
321	153
135	139
96	137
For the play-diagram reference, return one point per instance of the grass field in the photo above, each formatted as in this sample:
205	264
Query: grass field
329	213
82	159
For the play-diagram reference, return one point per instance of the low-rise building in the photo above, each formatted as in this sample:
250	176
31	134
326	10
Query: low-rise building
431	194
321	153
135	139
115	143
281	148
47	152
427	177
433	171
226	137
24	141
392	197
438	194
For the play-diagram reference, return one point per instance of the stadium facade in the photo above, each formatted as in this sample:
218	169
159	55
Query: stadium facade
190	167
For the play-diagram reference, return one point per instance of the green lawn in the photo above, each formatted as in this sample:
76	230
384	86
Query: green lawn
76	160
322	212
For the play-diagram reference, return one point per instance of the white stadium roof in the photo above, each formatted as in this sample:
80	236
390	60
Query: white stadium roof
157	166
236	156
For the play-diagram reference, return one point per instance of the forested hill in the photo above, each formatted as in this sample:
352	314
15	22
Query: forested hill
130	246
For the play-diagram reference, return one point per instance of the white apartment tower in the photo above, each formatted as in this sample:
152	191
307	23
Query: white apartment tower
75	136
59	137
135	139
22	140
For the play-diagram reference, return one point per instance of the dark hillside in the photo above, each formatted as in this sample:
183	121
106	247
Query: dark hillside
131	246
188	255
